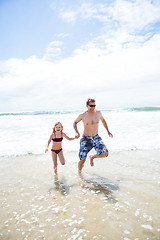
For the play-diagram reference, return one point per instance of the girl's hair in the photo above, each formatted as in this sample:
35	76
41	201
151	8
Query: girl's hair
56	125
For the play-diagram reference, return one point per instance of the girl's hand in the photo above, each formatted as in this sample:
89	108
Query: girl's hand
46	150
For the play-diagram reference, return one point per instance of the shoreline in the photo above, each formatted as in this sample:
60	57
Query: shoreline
76	152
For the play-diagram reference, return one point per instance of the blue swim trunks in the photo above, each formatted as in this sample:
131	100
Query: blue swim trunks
87	143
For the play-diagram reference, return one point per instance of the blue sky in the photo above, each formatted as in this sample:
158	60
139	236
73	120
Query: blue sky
56	54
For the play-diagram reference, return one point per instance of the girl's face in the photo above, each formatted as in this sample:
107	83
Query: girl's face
58	128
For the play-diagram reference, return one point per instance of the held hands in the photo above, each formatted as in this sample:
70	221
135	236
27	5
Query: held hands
77	135
46	150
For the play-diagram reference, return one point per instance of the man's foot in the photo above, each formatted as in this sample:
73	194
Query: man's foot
91	161
80	174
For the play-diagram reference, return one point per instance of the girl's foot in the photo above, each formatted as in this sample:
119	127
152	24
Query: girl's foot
55	171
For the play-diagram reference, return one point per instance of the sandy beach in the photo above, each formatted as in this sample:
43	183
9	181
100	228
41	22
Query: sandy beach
118	198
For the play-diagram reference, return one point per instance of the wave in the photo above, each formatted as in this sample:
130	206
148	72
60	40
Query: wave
144	109
35	113
136	109
69	153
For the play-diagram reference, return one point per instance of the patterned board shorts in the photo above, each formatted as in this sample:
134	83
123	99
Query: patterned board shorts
87	143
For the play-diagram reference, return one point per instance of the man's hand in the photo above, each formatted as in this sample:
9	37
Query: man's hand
77	135
110	134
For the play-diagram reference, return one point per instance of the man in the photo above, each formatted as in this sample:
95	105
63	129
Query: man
90	137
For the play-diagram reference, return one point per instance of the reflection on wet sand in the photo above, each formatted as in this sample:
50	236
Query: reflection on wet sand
60	185
100	185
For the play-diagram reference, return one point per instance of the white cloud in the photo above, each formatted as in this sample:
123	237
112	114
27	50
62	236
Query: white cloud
53	50
135	15
116	64
127	23
84	11
37	83
69	16
132	16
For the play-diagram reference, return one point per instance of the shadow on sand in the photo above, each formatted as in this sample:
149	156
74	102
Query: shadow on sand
60	186
100	185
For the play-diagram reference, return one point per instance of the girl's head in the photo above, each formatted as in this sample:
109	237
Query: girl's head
58	127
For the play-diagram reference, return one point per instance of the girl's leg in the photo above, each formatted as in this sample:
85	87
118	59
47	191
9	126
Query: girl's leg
54	158
61	157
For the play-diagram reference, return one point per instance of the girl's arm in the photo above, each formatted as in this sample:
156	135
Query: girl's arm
69	138
48	143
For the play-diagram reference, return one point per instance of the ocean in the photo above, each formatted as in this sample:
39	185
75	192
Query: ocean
118	198
28	132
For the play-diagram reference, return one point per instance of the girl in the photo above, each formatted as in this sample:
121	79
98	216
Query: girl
57	137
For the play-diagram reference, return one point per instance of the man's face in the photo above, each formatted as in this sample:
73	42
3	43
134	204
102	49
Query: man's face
91	106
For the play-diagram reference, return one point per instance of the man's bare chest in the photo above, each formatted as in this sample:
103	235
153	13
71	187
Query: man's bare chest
91	120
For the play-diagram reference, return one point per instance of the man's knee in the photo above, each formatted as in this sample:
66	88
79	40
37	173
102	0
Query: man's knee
105	154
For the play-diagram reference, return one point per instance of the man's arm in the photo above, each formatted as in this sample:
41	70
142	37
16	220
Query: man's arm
105	125
78	119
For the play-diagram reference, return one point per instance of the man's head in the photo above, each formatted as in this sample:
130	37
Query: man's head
90	103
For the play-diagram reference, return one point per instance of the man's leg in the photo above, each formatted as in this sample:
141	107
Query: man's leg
81	165
86	145
82	153
102	155
100	148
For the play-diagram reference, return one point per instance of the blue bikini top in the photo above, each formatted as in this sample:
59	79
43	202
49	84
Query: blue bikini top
57	139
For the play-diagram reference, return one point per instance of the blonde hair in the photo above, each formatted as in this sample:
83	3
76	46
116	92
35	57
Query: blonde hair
56	125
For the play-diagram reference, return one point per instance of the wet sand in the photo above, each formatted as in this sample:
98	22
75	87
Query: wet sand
118	198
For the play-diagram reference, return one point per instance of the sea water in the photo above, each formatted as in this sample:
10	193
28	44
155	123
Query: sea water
118	198
28	132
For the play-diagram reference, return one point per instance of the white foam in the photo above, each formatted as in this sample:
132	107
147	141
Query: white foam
137	212
147	227
77	235
27	132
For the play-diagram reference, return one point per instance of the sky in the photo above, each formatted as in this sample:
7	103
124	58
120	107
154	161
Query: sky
55	54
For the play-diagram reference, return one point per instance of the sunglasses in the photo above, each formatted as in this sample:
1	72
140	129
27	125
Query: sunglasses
92	105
